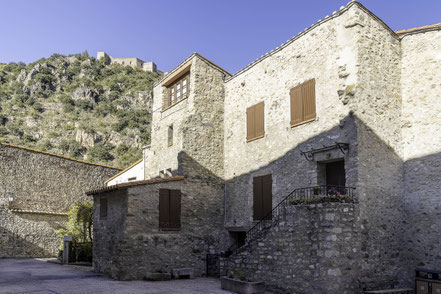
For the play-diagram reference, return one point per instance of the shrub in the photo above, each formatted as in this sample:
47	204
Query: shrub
84	104
100	152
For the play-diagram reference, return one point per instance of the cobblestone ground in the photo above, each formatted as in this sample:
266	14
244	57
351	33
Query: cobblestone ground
36	276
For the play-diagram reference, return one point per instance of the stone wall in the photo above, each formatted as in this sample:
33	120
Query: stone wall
197	125
129	243
323	54
313	249
421	90
43	187
376	102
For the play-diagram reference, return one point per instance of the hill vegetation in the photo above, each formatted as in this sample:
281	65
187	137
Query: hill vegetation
77	106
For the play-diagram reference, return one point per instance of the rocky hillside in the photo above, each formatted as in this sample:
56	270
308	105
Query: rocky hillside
77	106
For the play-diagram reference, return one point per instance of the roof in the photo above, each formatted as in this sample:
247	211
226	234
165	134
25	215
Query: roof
432	27
59	156
177	68
123	171
133	184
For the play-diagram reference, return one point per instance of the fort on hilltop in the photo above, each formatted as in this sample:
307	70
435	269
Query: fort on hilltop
132	61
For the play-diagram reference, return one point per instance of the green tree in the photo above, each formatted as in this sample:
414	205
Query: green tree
80	222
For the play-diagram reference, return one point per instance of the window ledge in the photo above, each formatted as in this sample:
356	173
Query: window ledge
254	139
169	229
303	122
170	106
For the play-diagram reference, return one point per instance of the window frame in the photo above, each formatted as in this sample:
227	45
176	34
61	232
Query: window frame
104	208
251	122
170	193
173	97
302	89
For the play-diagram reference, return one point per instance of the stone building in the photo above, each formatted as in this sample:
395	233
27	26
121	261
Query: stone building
348	103
132	61
36	191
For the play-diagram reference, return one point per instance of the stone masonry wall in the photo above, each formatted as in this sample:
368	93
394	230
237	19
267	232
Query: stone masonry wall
197	125
313	249
323	54
421	90
40	184
129	243
376	102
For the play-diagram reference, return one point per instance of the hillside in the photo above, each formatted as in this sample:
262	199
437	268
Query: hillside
77	106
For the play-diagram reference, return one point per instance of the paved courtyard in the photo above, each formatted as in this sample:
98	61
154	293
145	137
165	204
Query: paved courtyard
36	276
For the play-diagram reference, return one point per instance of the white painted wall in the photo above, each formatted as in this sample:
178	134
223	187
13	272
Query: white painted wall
137	172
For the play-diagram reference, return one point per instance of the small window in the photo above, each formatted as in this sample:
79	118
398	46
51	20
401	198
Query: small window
168	172
169	209
303	103
161	174
178	90
170	136
255	122
131	179
103	207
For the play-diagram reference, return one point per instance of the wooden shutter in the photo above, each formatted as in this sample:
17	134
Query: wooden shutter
103	207
257	198
166	98
251	130
175	209
259	120
267	196
164	205
296	105
308	95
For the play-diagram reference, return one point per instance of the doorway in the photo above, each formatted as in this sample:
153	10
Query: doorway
335	173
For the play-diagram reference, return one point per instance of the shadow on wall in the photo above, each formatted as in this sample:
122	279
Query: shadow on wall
29	235
399	216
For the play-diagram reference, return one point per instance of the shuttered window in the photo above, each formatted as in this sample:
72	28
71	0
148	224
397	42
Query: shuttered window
255	121
103	207
170	136
303	103
177	91
169	209
262	197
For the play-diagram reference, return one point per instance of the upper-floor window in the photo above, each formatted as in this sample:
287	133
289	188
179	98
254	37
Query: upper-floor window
178	90
255	121
303	103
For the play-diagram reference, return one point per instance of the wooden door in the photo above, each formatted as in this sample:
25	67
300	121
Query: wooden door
262	197
422	287
335	173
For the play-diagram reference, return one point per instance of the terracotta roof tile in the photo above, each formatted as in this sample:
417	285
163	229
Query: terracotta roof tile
420	29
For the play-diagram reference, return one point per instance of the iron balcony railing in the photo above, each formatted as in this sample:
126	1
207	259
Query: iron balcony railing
309	195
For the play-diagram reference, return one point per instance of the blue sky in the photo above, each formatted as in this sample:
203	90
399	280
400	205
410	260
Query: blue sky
231	33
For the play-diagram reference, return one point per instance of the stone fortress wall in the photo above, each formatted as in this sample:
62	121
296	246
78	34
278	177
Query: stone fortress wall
132	61
36	191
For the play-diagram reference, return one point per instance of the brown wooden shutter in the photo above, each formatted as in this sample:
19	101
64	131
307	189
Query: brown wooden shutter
308	95
175	209
257	198
296	105
251	130
259	120
103	207
267	196
164	205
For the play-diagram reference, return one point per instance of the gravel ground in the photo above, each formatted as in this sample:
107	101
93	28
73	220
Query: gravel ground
36	276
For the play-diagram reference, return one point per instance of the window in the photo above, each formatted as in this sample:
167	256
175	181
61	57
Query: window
170	136
262	197
103	207
178	90
255	122
169	209
303	103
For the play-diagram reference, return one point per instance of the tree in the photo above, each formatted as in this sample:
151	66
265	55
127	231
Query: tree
80	222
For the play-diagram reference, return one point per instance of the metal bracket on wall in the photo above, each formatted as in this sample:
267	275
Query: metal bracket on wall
309	155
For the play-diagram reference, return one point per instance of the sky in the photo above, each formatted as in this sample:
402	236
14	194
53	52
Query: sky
231	33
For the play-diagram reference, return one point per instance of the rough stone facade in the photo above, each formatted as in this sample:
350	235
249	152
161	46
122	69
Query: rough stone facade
312	249
376	90
128	243
42	187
